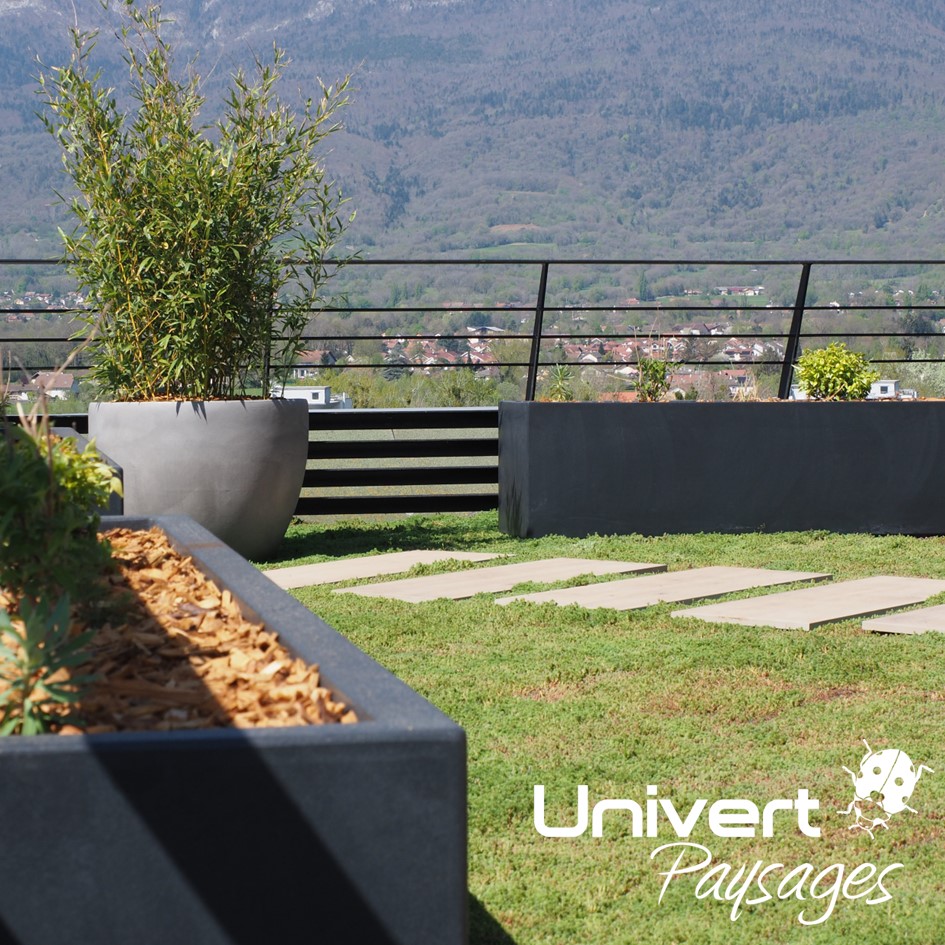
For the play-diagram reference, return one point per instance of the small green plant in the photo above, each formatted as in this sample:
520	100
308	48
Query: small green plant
50	556
37	653
653	378
561	388
49	493
835	373
202	246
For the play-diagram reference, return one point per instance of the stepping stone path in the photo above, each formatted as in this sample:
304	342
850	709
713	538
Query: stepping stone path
459	584
347	569
926	620
807	608
677	586
799	609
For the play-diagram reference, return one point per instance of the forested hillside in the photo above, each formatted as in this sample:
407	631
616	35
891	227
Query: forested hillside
572	128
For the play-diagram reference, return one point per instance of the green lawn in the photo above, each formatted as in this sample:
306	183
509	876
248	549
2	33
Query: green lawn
618	701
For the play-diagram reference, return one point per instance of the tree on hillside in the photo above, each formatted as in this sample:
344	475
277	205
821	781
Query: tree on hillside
644	292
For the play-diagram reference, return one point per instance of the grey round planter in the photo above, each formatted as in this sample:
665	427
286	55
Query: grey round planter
235	466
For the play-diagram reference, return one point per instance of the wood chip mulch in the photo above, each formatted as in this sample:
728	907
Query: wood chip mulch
176	653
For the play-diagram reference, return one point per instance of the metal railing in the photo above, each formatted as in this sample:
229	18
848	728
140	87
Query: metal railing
535	299
429	460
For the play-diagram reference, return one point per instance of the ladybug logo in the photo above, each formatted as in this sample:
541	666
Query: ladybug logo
885	783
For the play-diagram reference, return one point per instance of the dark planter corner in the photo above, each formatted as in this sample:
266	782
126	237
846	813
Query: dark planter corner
345	833
652	469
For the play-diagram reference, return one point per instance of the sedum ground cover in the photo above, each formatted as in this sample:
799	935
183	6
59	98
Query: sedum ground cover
618	701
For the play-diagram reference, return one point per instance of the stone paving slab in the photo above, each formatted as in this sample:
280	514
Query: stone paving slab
807	608
459	584
926	620
348	569
675	587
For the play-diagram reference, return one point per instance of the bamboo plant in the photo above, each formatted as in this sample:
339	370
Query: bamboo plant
202	246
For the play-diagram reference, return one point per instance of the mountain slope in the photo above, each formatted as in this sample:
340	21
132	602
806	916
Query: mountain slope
576	127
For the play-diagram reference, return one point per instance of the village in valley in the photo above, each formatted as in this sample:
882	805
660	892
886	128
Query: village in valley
723	344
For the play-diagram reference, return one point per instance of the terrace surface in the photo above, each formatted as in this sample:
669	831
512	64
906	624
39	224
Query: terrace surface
565	696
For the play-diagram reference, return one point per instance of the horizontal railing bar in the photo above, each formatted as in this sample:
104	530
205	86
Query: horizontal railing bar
44	311
388	505
746	334
425	476
871	334
668	261
33	262
411	309
419	365
468	337
501	309
364	261
661	308
405	418
401	449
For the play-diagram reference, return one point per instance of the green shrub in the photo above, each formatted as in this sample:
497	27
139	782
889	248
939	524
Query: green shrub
50	556
835	373
49	494
184	230
653	378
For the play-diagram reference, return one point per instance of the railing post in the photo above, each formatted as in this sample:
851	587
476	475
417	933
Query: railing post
267	355
532	379
794	336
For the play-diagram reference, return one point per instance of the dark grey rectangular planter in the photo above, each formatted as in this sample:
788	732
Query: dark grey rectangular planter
580	469
337	833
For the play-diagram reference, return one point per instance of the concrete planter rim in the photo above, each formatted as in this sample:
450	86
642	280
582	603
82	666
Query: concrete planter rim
381	698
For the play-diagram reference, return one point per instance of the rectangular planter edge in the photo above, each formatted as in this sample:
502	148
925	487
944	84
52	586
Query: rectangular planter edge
232	837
